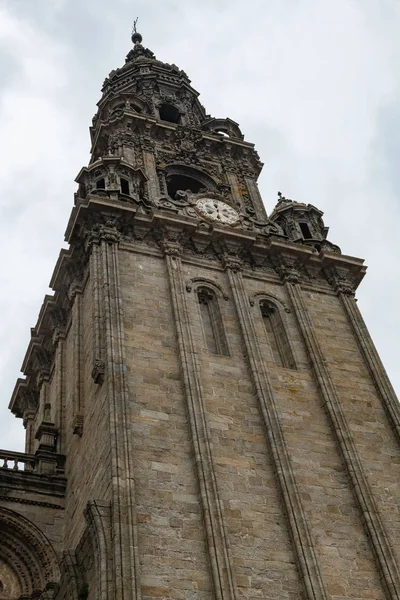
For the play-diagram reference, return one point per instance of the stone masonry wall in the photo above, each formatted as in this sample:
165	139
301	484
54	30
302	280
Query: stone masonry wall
376	442
167	495
88	457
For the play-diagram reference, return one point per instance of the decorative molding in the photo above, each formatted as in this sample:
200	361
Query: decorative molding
31	502
257	296
77	424
98	371
32	546
97	515
340	280
100	232
232	262
196	282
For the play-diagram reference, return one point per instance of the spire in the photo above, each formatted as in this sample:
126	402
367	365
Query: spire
138	49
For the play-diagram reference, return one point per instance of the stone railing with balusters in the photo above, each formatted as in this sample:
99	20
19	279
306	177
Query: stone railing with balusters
17	461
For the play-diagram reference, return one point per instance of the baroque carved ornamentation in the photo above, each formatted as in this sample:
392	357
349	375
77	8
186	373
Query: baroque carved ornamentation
98	371
100	232
341	281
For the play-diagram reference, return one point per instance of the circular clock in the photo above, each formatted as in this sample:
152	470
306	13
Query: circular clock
217	211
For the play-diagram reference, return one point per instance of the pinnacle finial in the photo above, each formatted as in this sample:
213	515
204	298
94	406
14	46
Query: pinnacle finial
136	37
281	198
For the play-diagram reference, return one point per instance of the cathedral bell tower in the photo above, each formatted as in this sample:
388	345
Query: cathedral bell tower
206	415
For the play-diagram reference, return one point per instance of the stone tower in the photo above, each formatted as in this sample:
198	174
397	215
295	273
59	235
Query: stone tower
206	415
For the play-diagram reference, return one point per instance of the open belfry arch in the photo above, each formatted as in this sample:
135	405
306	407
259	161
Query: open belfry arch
206	415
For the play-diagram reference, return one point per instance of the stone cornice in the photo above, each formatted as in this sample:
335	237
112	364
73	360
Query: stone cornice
133	224
100	218
31	485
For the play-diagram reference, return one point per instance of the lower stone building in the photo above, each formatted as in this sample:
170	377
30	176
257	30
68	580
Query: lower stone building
206	415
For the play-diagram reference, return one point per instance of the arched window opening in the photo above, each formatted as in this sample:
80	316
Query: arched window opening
101	184
276	334
223	132
117	107
305	230
124	186
213	328
183	183
169	113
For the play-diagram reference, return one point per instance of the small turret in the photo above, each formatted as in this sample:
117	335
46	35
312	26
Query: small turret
302	223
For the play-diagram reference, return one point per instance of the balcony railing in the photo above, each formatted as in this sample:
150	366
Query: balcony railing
16	461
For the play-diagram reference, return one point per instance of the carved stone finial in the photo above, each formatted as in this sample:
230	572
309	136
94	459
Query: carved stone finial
282	199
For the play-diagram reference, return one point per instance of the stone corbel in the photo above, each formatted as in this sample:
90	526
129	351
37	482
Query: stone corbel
98	371
42	375
289	271
77	424
340	280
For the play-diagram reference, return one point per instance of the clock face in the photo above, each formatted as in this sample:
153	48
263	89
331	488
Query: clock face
217	211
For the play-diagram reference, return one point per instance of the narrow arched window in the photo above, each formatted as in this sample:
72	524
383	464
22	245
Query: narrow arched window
276	334
213	327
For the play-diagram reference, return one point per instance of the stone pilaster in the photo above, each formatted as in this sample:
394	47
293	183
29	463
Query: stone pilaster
59	374
256	199
109	314
95	271
299	527
151	172
373	524
217	542
75	295
344	290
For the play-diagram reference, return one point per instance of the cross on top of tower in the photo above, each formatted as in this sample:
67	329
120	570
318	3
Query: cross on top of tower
136	37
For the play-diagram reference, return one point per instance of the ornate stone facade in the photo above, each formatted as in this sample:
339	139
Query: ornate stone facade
206	415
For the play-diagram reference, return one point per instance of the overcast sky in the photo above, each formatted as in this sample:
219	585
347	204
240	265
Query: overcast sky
315	84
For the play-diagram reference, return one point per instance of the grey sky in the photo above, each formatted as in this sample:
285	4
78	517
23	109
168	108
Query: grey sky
314	84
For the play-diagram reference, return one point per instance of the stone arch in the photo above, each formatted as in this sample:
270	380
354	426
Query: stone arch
258	296
180	176
272	312
125	102
10	586
197	282
27	552
207	294
224	127
97	518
